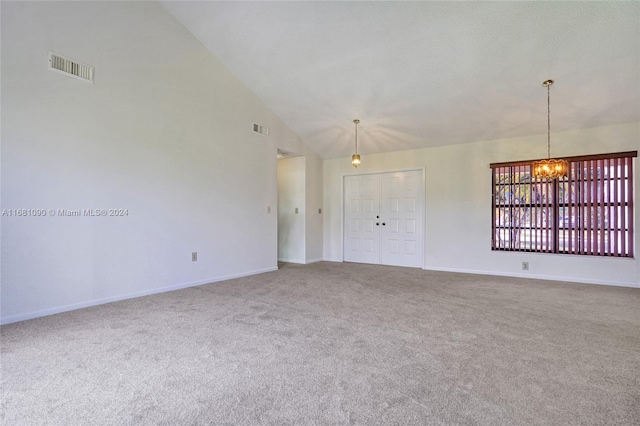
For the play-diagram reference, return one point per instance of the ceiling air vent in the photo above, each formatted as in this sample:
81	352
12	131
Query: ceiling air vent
70	67
264	131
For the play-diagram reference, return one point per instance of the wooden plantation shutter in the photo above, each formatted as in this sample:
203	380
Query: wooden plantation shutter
598	196
589	212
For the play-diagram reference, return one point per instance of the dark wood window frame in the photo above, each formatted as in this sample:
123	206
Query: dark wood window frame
589	212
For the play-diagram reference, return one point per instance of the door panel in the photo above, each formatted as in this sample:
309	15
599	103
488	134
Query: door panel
401	209
362	235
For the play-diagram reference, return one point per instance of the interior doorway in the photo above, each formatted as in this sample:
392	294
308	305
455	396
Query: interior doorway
384	218
291	207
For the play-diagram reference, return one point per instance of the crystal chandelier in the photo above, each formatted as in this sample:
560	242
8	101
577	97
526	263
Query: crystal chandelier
551	168
355	158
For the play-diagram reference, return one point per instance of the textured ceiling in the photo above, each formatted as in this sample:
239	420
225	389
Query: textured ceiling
423	74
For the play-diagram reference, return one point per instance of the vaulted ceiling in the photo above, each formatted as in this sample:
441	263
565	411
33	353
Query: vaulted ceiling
424	74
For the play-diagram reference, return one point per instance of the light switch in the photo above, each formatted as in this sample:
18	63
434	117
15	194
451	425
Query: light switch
296	210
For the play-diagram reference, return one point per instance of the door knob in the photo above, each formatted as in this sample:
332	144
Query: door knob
377	223
383	224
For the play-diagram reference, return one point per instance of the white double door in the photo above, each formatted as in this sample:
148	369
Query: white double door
384	218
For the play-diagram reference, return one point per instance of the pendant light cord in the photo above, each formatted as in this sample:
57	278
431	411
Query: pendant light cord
548	122
356	137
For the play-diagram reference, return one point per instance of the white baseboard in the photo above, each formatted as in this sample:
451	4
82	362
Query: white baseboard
89	303
536	277
298	261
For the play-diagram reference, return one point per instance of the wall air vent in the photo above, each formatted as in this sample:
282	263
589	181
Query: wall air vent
264	131
70	67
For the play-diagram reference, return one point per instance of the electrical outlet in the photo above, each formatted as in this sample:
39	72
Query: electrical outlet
268	209
296	210
525	266
194	256
319	211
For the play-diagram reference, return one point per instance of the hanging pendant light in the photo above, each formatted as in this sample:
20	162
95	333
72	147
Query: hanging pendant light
355	158
551	168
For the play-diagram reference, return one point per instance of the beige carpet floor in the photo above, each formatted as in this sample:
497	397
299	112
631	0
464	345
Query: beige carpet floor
334	344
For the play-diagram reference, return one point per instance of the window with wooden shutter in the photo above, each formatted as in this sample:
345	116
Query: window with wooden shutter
588	212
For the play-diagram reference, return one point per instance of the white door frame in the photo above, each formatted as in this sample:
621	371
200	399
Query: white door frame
424	207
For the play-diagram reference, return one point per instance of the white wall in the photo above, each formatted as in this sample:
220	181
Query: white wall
291	197
164	132
458	204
